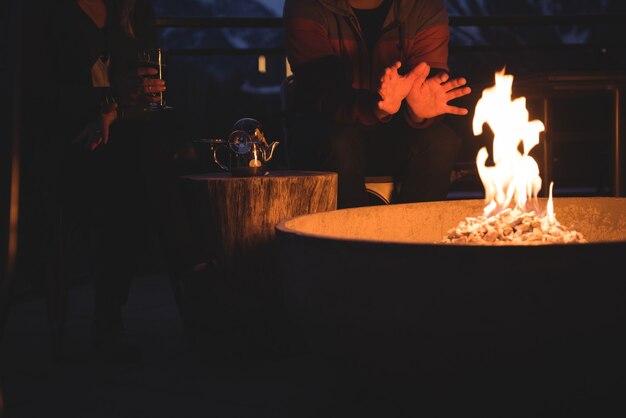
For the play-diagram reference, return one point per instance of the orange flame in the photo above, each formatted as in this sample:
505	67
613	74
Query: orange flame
513	181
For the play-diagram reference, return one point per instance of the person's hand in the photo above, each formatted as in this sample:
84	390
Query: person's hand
97	132
429	98
395	87
142	86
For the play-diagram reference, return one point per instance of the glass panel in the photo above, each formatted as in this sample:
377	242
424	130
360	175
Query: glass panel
228	8
189	38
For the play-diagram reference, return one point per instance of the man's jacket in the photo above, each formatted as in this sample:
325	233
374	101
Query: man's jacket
335	73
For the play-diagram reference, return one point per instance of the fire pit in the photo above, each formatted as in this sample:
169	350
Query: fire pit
376	288
393	292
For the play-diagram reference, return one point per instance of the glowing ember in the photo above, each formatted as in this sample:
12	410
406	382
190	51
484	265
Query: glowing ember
512	214
512	226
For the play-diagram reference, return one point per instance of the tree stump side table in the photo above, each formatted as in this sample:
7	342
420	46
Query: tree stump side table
235	219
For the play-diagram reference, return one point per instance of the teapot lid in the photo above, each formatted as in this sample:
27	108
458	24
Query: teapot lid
240	142
246	131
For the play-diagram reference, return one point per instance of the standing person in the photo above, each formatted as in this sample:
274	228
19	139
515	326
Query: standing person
95	160
371	88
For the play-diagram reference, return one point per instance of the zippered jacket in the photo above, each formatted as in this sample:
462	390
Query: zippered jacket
336	75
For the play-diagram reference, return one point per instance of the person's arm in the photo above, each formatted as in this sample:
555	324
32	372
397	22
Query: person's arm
428	44
131	85
427	101
433	50
321	83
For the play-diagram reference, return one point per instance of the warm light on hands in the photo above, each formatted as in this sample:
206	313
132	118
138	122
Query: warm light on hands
150	84
142	86
394	87
429	98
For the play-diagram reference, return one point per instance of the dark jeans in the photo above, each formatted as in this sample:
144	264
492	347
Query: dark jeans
130	189
420	160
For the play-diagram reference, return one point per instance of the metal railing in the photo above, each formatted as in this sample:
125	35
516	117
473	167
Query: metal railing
455	21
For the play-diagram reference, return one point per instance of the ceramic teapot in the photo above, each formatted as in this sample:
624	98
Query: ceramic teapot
248	149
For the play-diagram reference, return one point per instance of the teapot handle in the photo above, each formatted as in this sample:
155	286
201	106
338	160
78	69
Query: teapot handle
215	144
217	160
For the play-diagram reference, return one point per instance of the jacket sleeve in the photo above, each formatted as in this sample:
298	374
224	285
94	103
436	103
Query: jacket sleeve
322	85
428	43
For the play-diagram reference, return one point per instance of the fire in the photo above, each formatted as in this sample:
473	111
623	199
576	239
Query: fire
513	181
512	215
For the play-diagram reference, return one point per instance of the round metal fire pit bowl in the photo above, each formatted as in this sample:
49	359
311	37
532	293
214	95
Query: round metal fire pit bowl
375	289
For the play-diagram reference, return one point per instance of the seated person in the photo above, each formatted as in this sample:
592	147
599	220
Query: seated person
371	89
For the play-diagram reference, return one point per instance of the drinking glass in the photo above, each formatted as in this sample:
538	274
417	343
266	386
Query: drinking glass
155	58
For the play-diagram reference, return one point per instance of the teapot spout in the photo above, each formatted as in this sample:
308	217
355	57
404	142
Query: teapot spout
269	151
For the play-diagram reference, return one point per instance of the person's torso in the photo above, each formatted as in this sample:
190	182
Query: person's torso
399	36
94	58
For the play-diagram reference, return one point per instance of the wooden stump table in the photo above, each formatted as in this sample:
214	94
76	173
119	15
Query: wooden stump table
235	218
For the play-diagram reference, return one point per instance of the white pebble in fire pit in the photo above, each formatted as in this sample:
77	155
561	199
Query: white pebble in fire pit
512	227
